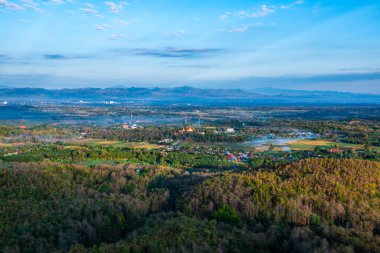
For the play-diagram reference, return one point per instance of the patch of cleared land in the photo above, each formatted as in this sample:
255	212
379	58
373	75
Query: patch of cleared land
115	143
144	145
261	148
123	144
311	144
106	142
16	144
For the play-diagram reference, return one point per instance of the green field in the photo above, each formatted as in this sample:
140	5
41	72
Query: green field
311	144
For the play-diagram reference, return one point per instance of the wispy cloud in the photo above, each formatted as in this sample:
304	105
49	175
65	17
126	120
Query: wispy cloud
57	1
23	5
102	27
30	4
177	53
4	58
263	11
38	59
116	7
88	5
260	12
291	5
189	66
88	11
54	57
242	28
11	6
178	33
121	22
117	37
65	57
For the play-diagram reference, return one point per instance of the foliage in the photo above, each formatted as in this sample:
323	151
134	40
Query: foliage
313	205
226	214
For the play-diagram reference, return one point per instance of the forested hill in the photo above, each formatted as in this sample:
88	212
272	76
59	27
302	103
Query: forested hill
314	205
188	94
125	93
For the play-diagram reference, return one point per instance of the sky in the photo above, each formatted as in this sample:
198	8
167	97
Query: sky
292	44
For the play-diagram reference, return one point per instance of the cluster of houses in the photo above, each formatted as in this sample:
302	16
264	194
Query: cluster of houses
127	126
240	157
165	141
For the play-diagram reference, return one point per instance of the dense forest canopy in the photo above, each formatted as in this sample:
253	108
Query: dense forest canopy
312	205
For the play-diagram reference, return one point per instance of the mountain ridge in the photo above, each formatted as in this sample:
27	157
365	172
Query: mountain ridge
188	93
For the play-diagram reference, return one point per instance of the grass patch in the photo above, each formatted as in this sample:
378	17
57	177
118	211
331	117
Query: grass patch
97	162
311	144
107	142
144	145
124	144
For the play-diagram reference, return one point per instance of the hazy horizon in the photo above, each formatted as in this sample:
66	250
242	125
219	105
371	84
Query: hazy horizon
261	89
290	44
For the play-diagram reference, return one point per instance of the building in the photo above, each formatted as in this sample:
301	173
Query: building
229	156
230	130
23	127
125	126
166	141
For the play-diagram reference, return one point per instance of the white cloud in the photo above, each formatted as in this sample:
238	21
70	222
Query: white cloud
117	37
261	12
11	6
30	4
289	6
242	28
178	33
224	16
57	1
88	11
122	22
88	5
116	7
102	27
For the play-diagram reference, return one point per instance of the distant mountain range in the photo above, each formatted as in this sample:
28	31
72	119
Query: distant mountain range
189	94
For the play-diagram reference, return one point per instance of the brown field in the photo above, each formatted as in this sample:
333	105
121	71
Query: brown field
262	148
311	142
107	142
16	144
5	145
124	144
144	145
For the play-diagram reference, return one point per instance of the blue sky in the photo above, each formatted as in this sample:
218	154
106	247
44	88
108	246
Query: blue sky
297	44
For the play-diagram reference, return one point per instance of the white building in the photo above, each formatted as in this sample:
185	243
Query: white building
230	130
